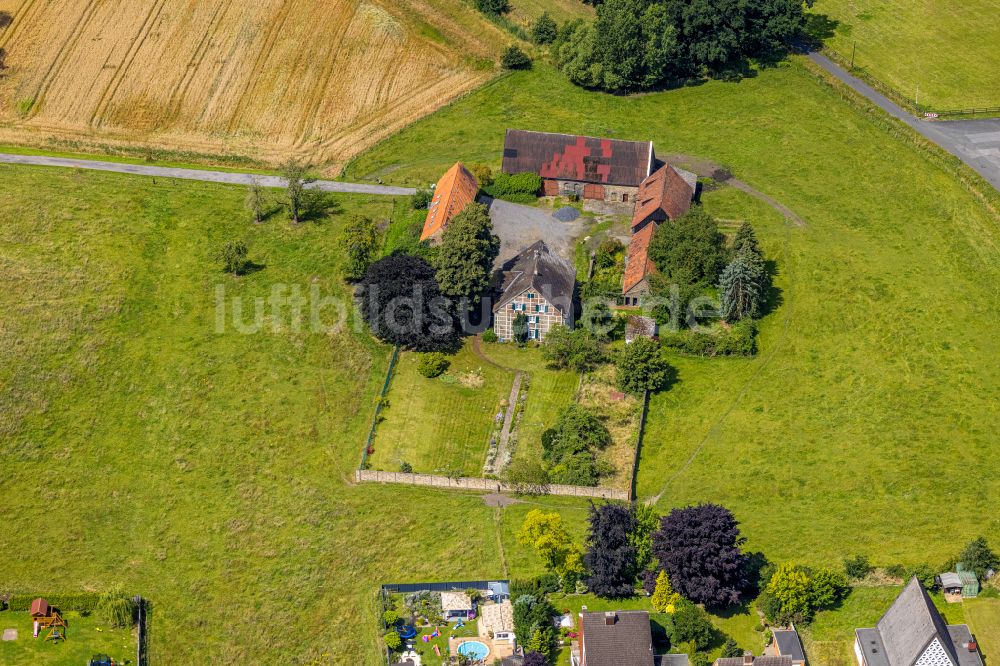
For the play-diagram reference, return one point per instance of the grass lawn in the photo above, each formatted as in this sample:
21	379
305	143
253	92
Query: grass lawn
87	636
443	424
871	375
983	617
945	52
549	392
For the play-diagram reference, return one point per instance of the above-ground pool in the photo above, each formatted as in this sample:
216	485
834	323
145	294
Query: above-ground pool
474	650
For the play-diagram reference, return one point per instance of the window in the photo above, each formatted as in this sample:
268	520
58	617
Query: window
530	295
513	306
538	308
625	197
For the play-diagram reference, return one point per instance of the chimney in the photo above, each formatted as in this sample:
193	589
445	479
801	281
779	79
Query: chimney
748	659
609	619
973	647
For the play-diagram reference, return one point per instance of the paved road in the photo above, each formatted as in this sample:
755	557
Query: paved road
975	142
199	174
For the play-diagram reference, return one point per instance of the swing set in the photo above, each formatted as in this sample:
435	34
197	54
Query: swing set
47	618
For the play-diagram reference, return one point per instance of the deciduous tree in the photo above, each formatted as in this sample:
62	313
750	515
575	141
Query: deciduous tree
978	556
640	366
297	177
576	348
664	598
233	256
468	249
362	239
545	533
610	556
699	548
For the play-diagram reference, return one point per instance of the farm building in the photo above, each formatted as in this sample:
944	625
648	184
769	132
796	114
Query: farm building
749	660
638	267
788	644
456	190
621	638
665	195
538	284
913	633
604	173
959	584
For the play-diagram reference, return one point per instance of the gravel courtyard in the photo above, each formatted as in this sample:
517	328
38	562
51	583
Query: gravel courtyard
518	226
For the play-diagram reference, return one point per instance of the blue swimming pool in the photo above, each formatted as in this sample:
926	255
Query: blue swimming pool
474	650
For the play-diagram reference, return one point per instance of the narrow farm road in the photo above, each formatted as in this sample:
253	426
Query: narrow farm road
231	178
975	142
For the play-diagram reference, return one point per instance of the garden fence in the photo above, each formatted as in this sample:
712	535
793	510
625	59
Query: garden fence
378	406
638	443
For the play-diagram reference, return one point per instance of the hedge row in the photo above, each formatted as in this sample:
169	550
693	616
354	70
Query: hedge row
83	602
514	186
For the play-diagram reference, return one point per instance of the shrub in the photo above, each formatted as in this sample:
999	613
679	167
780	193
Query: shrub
483	174
857	567
641	367
740	340
421	199
544	30
82	602
117	608
925	573
392	640
691	623
490	336
405	467
391	617
515	58
517	185
495	7
895	571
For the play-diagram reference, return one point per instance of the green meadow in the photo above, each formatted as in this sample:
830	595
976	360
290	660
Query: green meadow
943	54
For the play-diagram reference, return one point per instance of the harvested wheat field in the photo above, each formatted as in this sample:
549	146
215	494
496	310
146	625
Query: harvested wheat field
264	79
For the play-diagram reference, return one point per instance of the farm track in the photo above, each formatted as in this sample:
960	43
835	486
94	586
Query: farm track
22	17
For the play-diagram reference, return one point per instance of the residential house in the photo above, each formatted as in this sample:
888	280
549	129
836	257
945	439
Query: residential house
456	190
913	633
621	638
538	284
604	173
456	605
788	644
496	621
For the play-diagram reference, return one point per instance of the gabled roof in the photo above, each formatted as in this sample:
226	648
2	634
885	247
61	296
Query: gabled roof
788	643
496	617
666	190
538	269
580	158
456	190
617	639
638	265
763	660
910	625
39	608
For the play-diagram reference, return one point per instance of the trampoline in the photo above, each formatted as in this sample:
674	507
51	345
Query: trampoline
407	632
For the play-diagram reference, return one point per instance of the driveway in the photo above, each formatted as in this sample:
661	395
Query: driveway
229	177
519	226
975	142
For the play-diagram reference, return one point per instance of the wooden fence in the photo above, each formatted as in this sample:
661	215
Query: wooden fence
486	485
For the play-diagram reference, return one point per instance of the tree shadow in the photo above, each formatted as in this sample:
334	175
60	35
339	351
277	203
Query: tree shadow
774	297
318	206
249	268
818	29
6	18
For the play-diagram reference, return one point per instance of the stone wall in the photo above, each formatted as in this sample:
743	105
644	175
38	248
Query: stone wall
483	485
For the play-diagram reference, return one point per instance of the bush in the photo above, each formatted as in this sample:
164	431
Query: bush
691	623
432	364
391	617
857	567
392	640
925	573
495	7
740	340
515	58
515	186
405	467
490	336
483	174
421	199
895	571
117	608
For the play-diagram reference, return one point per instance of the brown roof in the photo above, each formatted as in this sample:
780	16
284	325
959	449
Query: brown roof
539	269
581	158
456	190
763	660
638	265
39	608
665	192
617	639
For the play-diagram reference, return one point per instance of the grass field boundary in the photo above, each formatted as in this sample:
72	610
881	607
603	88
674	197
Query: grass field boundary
972	181
380	401
899	97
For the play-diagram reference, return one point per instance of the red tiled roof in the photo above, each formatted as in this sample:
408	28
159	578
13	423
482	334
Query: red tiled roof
580	158
39	608
639	264
666	191
456	190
